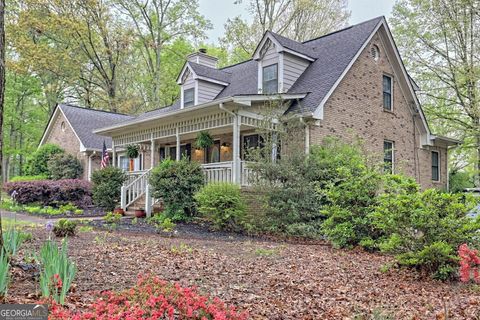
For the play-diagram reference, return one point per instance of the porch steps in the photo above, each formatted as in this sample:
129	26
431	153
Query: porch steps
140	204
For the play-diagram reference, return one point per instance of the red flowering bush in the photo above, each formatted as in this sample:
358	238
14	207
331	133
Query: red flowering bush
469	264
152	298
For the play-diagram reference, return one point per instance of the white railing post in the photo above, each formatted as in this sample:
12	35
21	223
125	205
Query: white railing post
148	201
236	150
123	198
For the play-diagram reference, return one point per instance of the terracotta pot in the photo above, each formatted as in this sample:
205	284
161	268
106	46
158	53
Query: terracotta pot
140	213
119	211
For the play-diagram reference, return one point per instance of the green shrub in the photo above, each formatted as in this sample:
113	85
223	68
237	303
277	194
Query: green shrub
57	271
64	166
107	183
222	204
37	163
423	229
28	178
347	184
112	218
176	182
161	222
459	181
4	274
65	227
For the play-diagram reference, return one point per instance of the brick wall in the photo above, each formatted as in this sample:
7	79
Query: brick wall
355	109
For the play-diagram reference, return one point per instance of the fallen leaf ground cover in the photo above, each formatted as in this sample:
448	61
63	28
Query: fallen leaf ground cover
271	280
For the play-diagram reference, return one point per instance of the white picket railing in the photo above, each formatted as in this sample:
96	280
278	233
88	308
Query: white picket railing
218	172
137	184
134	188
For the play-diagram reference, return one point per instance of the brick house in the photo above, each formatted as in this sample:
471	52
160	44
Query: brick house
349	82
71	128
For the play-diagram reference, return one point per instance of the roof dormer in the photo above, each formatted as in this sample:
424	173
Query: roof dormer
200	80
281	61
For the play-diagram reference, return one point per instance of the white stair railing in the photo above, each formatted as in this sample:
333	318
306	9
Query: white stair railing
134	189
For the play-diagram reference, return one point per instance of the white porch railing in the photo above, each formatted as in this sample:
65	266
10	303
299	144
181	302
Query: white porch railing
223	172
137	184
134	188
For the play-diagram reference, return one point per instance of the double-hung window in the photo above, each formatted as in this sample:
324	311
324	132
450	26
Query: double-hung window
387	93
388	156
270	79
435	166
188	97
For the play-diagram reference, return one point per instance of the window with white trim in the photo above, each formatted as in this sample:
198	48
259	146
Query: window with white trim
270	79
435	166
388	156
188	97
387	92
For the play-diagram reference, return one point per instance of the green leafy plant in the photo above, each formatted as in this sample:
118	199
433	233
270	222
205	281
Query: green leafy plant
37	163
12	240
4	274
112	218
423	229
85	229
65	227
132	151
176	182
222	204
162	222
107	183
204	140
57	271
64	166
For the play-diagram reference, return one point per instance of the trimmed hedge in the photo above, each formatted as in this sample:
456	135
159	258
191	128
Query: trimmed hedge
51	192
28	178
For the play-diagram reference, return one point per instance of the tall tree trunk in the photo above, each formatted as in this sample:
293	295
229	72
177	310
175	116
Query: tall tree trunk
2	93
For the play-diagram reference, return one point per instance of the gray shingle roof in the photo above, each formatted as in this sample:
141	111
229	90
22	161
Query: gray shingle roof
211	73
332	53
84	121
294	45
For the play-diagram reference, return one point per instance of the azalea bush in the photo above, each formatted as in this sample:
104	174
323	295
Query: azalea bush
51	192
469	264
57	271
423	229
222	204
153	298
65	227
176	182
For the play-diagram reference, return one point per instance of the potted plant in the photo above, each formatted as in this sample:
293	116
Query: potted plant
140	213
132	153
119	211
204	140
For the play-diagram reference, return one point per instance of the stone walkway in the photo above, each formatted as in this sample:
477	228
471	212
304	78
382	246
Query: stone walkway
38	220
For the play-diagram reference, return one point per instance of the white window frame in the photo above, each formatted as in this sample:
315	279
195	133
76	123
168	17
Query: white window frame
393	153
391	93
183	96
438	164
277	64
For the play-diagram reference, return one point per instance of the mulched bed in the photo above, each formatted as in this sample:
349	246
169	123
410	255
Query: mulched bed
189	230
272	280
87	213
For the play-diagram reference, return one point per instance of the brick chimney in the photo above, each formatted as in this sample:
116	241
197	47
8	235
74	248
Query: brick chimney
201	57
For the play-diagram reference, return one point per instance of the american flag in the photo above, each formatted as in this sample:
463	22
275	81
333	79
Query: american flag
105	157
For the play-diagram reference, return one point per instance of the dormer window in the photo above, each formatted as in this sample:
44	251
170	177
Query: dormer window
188	97
270	79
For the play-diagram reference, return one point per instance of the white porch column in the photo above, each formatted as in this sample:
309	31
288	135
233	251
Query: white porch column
236	174
178	145
307	139
114	154
90	165
274	147
152	153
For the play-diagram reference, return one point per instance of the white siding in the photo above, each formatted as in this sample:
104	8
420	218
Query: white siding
270	57
293	67
207	91
189	83
203	59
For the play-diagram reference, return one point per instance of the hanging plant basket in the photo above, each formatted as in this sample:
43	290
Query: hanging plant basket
132	151
204	140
